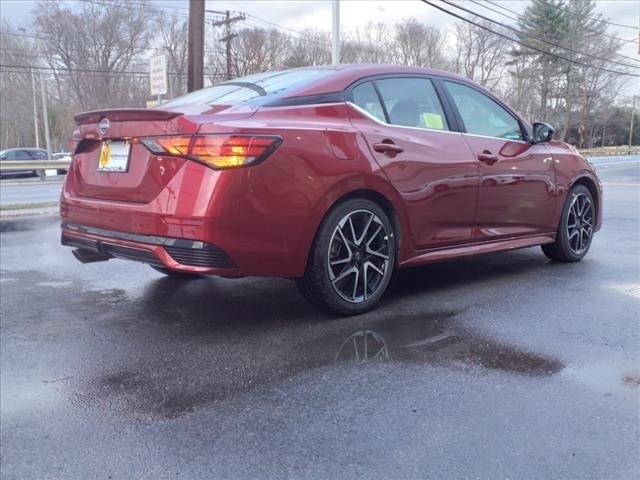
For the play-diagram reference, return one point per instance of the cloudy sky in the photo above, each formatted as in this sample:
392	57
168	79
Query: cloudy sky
292	15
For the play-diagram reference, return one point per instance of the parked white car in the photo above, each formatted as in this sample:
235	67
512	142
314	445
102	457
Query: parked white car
62	157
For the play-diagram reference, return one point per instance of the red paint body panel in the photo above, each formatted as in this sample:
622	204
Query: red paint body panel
517	194
435	175
446	203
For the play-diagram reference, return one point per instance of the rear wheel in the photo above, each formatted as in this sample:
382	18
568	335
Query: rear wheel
576	227
352	259
175	274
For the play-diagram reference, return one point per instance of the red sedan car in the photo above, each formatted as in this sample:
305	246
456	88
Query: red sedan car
333	176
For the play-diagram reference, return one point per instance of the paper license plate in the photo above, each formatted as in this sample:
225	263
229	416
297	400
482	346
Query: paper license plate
114	156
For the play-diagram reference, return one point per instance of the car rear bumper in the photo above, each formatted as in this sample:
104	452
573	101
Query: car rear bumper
175	253
248	215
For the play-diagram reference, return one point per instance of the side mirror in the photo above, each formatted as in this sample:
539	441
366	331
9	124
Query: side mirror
542	132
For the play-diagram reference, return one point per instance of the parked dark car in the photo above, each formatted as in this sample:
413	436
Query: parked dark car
22	154
334	176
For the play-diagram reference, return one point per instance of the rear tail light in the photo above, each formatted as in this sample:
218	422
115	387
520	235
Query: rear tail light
216	151
75	140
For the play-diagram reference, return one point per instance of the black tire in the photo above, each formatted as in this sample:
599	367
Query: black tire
323	285
565	248
175	274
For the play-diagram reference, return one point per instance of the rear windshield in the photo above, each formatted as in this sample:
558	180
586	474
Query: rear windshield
252	87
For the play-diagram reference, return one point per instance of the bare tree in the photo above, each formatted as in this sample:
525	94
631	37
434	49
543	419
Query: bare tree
371	44
418	44
16	89
480	54
98	41
312	47
256	50
173	32
94	54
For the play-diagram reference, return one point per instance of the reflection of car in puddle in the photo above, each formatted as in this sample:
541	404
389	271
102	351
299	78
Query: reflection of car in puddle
453	346
363	345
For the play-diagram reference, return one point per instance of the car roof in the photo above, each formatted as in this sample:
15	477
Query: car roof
346	74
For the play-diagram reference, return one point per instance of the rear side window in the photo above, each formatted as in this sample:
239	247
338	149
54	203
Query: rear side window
482	115
37	154
365	96
249	88
412	102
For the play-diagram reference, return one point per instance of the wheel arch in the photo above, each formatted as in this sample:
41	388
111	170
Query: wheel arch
377	191
383	202
591	185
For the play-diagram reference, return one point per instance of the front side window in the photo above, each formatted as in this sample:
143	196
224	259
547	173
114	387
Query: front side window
482	115
365	96
38	154
412	102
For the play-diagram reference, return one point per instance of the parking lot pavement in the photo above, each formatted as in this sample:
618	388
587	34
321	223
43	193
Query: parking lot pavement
500	366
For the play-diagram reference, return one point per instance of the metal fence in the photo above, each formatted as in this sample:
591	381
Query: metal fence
9	166
20	165
606	151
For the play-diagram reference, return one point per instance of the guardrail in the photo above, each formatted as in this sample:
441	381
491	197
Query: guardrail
8	166
13	165
605	151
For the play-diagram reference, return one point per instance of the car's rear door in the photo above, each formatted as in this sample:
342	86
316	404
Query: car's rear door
517	179
405	125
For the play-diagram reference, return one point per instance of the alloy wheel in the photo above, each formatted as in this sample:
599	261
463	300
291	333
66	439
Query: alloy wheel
580	223
358	255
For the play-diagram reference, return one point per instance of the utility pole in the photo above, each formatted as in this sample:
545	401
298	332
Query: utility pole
45	115
35	109
34	94
195	60
633	114
335	32
228	36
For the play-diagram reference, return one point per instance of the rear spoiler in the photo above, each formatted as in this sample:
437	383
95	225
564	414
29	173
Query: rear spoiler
124	114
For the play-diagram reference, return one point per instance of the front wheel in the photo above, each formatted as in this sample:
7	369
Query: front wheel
575	231
352	259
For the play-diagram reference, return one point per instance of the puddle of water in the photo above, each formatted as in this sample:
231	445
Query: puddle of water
631	379
447	345
221	345
146	393
607	378
628	289
431	339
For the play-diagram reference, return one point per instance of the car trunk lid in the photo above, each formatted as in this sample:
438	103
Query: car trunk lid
144	174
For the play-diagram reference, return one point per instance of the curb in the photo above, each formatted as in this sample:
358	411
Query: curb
28	222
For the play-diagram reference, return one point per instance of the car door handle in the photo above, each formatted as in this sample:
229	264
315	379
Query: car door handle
389	149
487	157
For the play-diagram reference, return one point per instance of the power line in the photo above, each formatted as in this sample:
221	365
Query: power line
282	27
518	15
520	32
28	70
584	15
82	71
506	37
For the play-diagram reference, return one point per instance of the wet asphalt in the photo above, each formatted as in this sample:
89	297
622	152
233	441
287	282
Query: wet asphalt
493	367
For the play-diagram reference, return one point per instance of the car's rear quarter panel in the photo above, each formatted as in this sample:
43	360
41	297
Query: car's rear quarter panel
264	216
